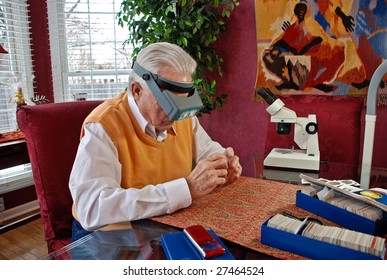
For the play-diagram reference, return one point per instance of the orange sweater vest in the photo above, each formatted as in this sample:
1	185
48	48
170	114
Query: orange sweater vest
144	160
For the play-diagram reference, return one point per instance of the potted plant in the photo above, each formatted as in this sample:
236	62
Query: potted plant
194	25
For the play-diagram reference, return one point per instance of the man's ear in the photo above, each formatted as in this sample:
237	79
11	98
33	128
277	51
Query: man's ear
136	89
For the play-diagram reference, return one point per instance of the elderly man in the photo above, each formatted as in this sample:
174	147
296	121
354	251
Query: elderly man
144	153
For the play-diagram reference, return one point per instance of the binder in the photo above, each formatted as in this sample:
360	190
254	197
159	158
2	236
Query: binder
177	246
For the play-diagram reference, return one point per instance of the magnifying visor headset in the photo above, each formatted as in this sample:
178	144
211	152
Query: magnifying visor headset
175	107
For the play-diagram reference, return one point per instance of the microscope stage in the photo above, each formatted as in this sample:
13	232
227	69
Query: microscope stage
294	159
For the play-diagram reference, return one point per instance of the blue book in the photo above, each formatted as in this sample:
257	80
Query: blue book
177	246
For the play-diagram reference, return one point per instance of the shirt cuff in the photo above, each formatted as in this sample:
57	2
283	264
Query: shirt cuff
178	194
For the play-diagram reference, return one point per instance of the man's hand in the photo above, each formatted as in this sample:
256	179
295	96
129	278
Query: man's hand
234	169
207	175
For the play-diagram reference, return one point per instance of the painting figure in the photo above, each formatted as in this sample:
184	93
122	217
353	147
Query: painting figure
304	55
340	26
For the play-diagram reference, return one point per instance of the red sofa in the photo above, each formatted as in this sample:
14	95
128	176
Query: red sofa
52	134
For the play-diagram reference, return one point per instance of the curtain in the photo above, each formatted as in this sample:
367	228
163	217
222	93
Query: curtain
16	74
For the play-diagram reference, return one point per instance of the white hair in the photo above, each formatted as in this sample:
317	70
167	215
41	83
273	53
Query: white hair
160	55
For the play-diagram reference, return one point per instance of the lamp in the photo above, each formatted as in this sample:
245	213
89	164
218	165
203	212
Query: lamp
370	120
305	136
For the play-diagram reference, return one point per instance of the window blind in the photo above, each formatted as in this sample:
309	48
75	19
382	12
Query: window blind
87	51
15	59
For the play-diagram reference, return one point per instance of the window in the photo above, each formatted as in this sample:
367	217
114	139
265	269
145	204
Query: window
87	50
15	59
16	177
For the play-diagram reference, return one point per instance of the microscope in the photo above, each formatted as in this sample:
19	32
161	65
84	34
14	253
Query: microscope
305	136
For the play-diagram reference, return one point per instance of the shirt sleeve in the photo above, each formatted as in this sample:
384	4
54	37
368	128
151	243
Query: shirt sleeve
95	186
204	146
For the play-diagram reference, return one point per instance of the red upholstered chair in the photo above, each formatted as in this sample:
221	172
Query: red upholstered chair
339	129
52	134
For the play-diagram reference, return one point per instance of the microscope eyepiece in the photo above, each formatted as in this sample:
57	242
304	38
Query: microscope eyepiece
266	94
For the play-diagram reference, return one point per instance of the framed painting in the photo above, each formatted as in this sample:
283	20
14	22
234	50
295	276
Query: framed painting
327	47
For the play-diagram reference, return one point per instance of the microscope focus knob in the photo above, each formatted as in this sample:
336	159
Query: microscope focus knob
311	128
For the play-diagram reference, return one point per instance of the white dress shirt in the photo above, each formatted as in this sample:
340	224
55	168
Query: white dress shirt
96	175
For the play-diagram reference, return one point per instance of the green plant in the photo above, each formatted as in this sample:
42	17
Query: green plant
194	25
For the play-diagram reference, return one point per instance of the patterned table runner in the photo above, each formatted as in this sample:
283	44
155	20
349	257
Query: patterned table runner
237	212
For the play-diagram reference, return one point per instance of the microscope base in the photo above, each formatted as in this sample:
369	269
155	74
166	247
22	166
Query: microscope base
294	159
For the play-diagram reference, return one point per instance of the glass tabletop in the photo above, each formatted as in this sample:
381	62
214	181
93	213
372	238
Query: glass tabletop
141	242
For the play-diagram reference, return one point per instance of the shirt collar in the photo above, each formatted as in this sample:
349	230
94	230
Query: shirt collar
136	112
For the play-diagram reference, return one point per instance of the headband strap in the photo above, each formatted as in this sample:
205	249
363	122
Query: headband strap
164	83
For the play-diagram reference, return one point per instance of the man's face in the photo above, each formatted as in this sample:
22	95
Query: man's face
150	108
